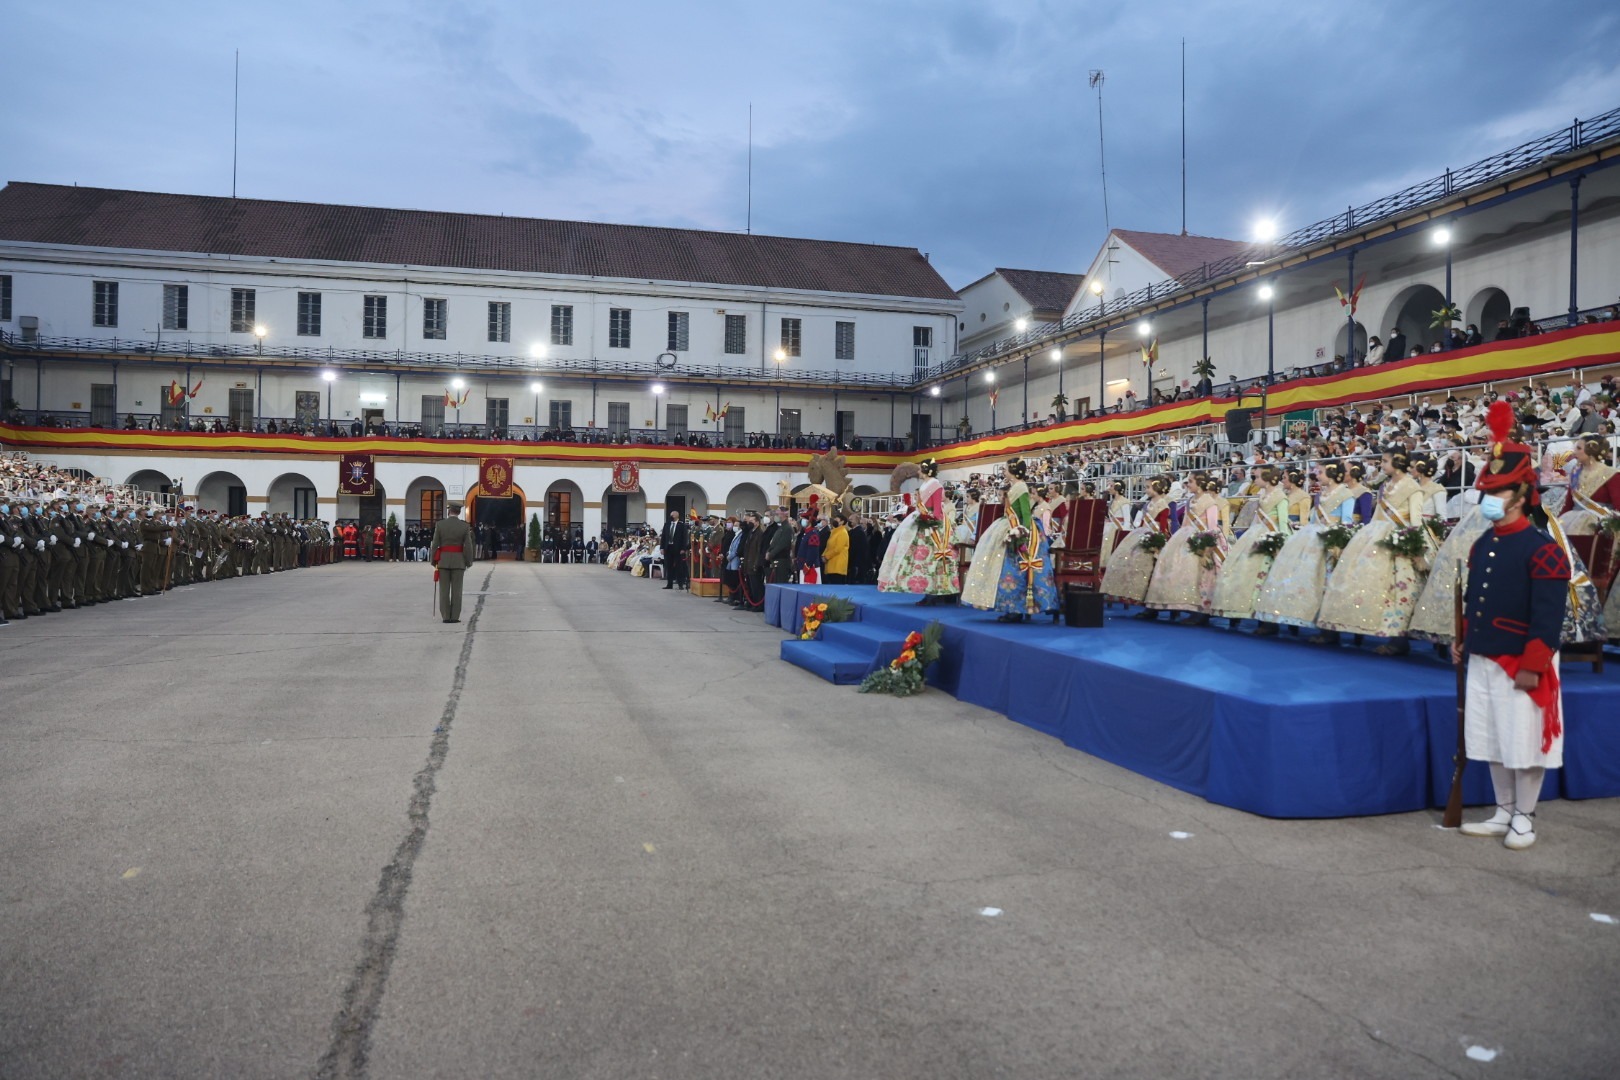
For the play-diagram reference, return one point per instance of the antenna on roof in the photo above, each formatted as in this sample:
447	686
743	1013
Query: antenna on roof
236	109
1183	136
1102	155
750	168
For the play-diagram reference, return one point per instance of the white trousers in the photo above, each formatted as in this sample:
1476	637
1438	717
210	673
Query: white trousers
1502	724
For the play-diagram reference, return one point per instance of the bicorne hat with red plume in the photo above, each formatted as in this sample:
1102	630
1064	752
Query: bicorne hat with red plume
1510	463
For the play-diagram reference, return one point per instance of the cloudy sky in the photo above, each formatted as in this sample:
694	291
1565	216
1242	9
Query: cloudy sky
962	128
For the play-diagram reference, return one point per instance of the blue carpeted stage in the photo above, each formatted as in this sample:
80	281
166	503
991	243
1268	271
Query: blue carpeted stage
1273	726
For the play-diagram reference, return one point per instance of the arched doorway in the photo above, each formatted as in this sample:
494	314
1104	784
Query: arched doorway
746	497
364	510
626	510
1360	346
499	520
424	500
684	497
1487	310
565	512
149	480
1412	310
292	493
222	491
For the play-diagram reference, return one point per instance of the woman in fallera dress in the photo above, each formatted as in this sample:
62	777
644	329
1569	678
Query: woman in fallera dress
1357	509
1131	565
1293	591
1118	522
1184	580
1374	590
1243	573
1012	572
920	559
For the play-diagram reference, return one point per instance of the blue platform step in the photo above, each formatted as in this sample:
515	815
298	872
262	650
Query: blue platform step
846	652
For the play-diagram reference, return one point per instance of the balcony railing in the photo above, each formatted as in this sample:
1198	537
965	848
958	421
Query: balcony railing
1567	140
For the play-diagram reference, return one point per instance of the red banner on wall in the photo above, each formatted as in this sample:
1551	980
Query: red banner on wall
626	476
495	476
357	475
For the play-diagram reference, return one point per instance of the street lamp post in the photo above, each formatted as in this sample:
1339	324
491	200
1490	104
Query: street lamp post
1269	295
536	387
990	377
329	377
259	331
458	384
1442	236
1102	372
657	389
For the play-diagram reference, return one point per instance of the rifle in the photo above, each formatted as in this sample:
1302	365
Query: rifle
1452	817
168	563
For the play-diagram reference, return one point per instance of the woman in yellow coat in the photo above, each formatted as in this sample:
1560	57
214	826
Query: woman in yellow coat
835	556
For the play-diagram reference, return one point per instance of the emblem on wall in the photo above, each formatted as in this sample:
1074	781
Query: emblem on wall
495	476
357	475
626	476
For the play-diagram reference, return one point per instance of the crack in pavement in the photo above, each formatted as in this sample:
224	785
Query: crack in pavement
385	912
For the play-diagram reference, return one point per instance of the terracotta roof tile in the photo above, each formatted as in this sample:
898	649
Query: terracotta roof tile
149	221
1045	290
1179	255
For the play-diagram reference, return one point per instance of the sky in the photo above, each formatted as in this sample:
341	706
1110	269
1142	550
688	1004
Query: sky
965	129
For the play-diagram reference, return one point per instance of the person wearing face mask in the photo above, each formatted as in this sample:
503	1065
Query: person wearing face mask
674	541
157	536
10	565
95	548
59	546
1513	614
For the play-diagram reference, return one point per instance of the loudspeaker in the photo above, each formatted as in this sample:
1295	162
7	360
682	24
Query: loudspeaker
1082	608
1239	422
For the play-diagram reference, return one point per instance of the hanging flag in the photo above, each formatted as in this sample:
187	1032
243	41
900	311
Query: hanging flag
465	394
194	389
357	475
993	395
721	415
176	393
1354	299
449	400
1150	353
708	413
495	476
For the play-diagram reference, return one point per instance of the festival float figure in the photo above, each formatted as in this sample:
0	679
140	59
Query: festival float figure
920	559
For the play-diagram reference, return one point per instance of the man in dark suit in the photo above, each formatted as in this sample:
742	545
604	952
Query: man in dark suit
452	552
673	540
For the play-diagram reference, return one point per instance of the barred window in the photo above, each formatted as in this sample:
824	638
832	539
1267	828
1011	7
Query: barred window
844	342
106	303
5	297
619	328
244	308
680	324
791	332
562	414
176	307
309	314
562	324
736	334
618	417
374	323
435	317
500	321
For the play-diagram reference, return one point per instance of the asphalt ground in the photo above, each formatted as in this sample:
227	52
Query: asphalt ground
294	826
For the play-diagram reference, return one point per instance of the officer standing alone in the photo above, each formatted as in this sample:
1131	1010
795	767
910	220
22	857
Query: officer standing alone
451	554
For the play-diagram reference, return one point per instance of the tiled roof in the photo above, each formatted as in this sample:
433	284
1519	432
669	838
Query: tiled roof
1178	255
1045	290
149	221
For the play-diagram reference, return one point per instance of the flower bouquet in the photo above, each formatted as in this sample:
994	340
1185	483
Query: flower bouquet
1153	542
1203	545
1611	524
1410	541
1269	545
904	675
1334	538
824	609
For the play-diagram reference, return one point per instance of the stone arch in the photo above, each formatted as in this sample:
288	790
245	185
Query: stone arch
279	498
222	491
746	496
623	510
693	494
414	492
1360	346
148	480
1411	310
866	489
1488	308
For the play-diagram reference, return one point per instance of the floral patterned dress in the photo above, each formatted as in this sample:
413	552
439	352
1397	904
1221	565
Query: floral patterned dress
922	561
1292	594
1013	579
1130	567
1117	522
1244	572
1183	581
1374	591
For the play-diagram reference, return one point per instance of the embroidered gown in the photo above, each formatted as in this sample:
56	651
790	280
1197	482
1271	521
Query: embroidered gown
1131	566
1115	526
922	561
1183	581
1244	572
1292	594
1374	590
995	581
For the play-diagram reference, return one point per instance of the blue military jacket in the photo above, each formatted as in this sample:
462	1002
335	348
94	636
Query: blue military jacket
1518	586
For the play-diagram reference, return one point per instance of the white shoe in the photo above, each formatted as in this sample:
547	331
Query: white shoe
1497	824
1521	832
